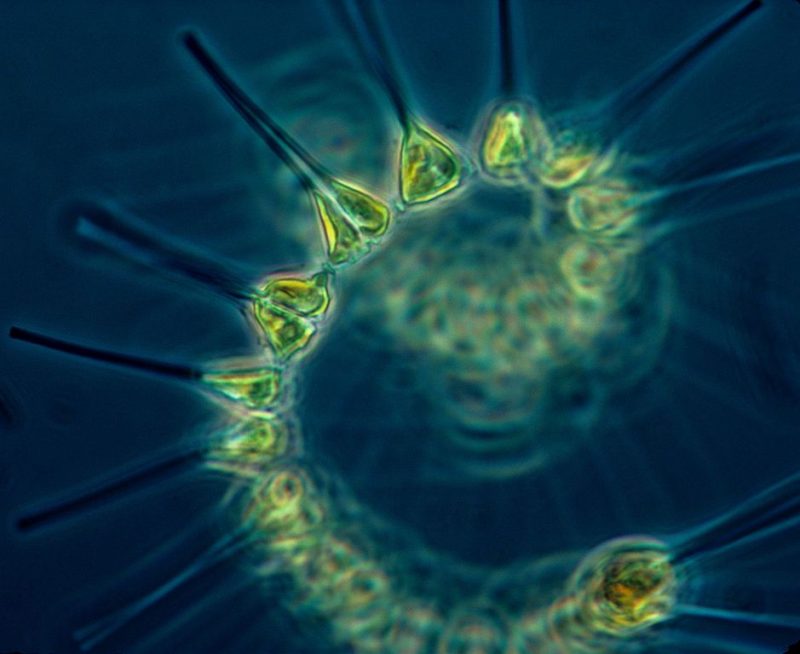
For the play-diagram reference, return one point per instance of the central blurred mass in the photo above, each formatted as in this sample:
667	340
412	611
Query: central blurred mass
489	333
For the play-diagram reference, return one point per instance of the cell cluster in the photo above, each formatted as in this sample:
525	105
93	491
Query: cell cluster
513	270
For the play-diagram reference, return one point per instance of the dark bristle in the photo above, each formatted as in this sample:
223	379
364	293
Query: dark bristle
285	147
366	34
642	93
507	69
142	476
778	506
173	370
91	224
92	635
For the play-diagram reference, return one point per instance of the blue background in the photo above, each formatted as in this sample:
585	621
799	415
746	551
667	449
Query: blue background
99	99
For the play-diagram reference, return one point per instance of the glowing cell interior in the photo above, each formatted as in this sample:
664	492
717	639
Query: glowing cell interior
429	166
509	140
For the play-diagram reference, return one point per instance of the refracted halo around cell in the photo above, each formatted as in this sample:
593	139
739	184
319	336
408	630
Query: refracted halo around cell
512	300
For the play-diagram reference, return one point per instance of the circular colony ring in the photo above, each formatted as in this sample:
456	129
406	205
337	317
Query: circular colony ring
476	324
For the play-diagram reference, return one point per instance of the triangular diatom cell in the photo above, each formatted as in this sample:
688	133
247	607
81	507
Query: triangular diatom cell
429	166
286	332
510	133
342	238
256	388
368	213
306	296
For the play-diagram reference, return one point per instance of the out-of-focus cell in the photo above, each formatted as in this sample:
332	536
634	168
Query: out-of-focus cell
351	590
282	492
506	147
416	627
249	446
591	269
429	165
474	631
366	584
607	206
529	634
625	585
288	509
566	159
333	559
359	587
584	319
367	629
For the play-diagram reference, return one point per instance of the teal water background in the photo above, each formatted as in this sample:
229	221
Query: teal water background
99	100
